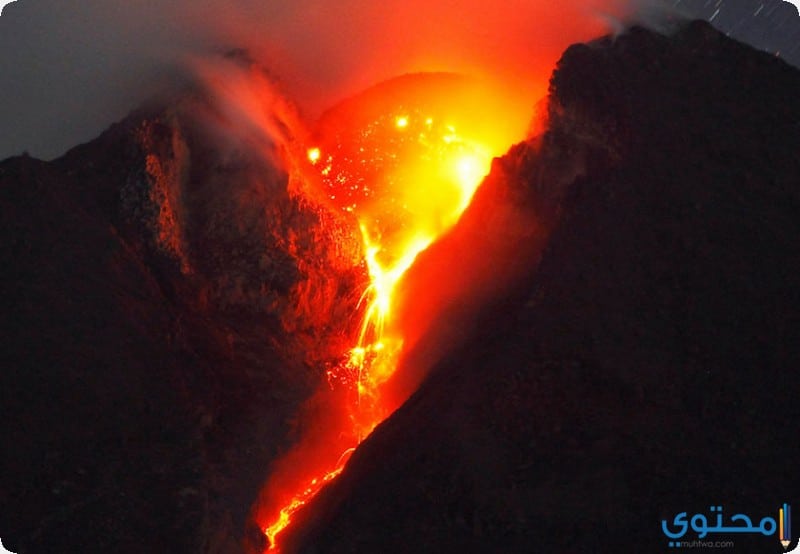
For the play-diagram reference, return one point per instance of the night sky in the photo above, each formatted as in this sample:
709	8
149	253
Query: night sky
773	25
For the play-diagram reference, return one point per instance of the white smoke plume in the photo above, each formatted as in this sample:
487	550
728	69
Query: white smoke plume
71	67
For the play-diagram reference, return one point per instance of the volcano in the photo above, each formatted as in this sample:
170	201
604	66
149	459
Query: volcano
604	335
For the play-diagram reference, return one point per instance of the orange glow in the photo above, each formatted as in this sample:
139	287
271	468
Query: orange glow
400	162
404	159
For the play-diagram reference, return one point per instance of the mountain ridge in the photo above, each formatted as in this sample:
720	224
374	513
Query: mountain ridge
644	365
157	347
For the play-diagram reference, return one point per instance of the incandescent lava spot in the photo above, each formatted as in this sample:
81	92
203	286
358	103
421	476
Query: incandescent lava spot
403	160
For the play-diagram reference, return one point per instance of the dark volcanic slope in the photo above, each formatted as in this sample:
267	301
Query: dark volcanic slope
650	364
156	334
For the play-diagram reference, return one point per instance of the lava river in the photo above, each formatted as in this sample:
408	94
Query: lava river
402	161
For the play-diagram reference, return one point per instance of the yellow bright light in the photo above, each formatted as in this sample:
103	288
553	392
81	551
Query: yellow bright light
469	170
405	171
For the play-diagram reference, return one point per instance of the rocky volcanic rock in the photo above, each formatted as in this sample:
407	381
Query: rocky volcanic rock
168	303
647	364
158	333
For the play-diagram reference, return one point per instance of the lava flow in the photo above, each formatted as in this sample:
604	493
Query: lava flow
403	160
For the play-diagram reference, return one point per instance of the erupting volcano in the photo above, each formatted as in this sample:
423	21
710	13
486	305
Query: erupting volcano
480	306
402	160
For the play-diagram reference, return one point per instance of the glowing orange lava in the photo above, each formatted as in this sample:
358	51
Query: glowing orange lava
405	159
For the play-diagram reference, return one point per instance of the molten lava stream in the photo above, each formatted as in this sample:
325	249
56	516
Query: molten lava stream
404	159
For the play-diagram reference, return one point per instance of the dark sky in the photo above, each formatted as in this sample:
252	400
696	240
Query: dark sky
772	25
71	67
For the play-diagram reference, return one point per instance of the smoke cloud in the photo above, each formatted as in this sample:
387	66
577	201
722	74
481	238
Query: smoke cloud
72	67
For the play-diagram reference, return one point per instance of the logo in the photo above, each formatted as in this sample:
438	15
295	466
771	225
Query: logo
737	523
785	527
